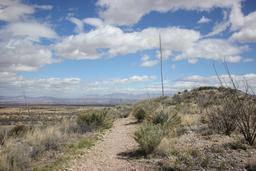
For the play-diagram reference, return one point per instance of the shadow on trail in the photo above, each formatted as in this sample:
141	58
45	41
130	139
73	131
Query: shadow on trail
129	155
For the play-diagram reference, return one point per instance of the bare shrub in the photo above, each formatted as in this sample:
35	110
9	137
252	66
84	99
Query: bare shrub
222	118
246	119
242	104
202	101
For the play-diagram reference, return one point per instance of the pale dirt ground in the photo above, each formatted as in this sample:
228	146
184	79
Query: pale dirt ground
108	153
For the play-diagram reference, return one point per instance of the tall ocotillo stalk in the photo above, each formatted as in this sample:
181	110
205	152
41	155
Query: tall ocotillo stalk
161	63
25	97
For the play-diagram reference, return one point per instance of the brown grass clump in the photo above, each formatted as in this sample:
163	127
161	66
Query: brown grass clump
16	156
45	139
190	120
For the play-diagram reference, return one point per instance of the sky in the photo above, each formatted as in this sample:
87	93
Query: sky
63	48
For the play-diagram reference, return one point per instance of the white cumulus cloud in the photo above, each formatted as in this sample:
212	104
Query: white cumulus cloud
112	41
127	12
244	26
215	49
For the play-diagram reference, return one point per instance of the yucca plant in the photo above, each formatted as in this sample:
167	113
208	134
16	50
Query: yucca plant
166	120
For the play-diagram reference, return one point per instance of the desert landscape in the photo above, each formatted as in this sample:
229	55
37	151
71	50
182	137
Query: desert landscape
127	85
192	130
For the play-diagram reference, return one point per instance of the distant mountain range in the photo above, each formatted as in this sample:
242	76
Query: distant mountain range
108	99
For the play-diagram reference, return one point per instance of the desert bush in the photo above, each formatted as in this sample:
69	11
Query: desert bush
246	119
222	118
236	111
242	106
93	119
189	158
148	137
139	114
18	130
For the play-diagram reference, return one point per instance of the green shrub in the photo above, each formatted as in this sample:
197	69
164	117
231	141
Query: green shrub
148	137
139	114
93	120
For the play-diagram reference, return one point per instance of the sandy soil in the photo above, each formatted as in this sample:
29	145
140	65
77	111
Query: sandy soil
112	153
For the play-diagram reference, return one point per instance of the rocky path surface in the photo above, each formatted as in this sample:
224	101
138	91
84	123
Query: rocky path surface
112	152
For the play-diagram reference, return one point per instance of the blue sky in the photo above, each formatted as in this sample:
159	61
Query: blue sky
75	48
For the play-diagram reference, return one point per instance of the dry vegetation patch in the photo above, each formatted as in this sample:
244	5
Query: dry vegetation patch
215	133
49	145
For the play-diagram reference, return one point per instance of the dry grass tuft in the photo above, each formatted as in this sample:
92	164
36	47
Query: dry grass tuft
251	164
190	120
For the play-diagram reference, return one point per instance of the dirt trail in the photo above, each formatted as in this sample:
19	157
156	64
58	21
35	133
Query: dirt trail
110	153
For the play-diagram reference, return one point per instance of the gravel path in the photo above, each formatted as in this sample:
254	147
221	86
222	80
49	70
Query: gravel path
110	153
